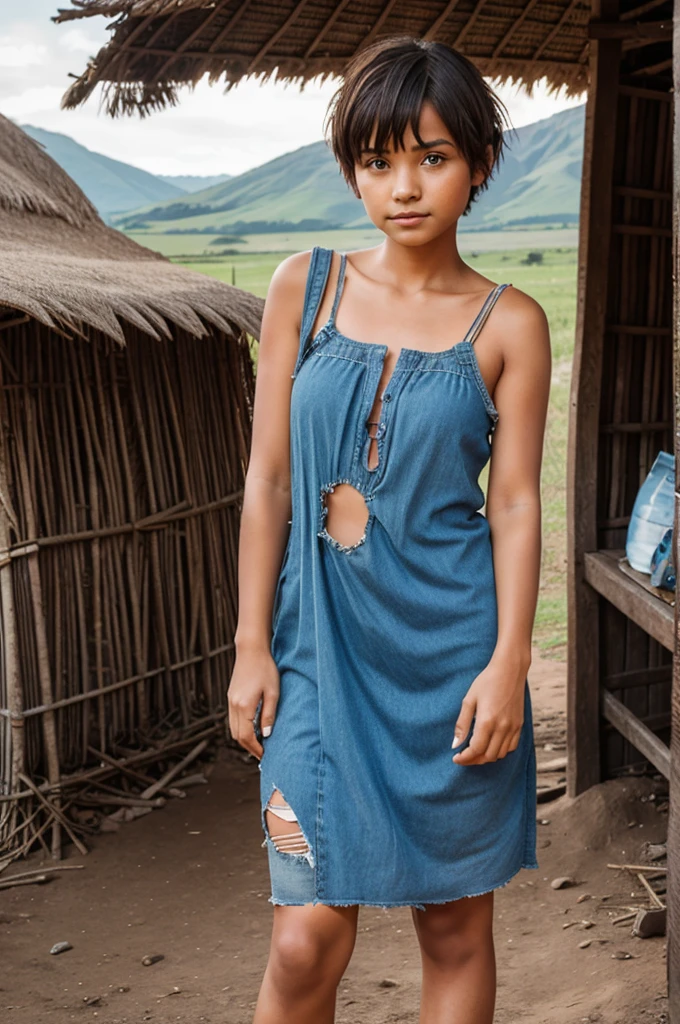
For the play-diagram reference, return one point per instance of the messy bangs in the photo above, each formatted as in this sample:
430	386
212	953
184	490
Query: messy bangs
383	93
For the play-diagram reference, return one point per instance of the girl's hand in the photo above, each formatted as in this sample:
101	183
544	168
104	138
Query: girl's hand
496	700
255	678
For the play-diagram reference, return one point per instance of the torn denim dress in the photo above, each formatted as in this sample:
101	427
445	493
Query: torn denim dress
377	642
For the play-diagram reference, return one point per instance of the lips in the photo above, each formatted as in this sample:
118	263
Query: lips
406	219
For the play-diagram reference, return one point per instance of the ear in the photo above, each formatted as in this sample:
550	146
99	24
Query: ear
482	173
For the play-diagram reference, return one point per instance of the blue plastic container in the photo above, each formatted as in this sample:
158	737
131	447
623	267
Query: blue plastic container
652	513
663	570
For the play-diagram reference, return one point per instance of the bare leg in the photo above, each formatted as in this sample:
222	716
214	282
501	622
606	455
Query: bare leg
459	963
310	949
311	944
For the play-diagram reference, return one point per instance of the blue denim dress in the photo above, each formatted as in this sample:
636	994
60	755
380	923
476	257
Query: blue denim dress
378	642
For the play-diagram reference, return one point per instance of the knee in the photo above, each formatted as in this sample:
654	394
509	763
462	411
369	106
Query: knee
298	956
453	933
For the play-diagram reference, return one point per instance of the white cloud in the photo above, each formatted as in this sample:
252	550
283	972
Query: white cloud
17	54
36	101
76	41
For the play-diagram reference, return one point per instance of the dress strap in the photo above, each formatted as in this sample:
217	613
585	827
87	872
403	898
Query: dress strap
481	317
339	287
317	278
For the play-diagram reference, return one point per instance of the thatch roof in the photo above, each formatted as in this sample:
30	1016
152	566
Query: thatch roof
158	45
62	265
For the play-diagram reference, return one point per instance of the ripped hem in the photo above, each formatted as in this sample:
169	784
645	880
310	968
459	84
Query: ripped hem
534	866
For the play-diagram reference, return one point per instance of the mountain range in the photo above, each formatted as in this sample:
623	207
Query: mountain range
112	185
537	182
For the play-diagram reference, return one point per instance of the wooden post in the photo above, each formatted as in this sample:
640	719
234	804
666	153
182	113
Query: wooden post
583	666
673	844
10	667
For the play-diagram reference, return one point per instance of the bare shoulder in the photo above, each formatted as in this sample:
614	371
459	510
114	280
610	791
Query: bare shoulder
522	325
288	282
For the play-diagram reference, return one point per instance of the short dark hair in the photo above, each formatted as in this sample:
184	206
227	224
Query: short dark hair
384	88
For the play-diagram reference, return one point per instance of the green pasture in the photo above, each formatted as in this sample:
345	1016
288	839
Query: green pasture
187	248
552	282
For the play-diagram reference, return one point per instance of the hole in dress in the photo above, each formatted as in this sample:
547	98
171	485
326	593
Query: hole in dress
345	514
283	827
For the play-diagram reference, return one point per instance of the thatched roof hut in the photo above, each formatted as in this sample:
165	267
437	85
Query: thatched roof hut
158	45
126	389
624	635
62	265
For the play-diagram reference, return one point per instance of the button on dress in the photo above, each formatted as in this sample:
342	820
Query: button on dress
377	642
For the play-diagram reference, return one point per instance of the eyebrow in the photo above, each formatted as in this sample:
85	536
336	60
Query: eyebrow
425	145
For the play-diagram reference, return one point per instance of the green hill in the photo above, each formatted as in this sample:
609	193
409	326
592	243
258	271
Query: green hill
537	182
194	182
113	186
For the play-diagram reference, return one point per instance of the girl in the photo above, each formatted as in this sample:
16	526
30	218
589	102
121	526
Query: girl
381	613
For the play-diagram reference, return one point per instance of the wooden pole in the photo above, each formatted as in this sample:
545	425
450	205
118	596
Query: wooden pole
10	667
673	840
583	665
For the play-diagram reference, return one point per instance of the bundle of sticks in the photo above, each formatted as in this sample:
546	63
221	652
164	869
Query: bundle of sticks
111	790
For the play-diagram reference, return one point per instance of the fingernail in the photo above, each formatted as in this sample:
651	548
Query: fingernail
456	740
267	730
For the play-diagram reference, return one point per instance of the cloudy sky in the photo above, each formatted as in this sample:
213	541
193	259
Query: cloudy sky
210	132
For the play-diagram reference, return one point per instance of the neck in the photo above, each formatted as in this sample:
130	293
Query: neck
424	265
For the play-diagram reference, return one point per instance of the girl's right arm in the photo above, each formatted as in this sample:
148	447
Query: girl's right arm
266	506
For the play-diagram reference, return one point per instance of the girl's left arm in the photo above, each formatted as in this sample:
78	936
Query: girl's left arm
513	511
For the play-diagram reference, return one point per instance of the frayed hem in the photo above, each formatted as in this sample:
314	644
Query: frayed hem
417	905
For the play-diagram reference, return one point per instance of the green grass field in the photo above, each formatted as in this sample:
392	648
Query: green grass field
190	249
553	284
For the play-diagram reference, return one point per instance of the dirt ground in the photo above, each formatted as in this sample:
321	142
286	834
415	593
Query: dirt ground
190	882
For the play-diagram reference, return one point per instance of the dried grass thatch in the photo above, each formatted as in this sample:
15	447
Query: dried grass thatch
159	45
63	266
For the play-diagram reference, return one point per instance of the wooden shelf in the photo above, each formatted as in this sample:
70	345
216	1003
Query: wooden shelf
610	574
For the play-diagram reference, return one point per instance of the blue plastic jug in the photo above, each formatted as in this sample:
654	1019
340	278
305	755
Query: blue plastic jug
652	513
663	569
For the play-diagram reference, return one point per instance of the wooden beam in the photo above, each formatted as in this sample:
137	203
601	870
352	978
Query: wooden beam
439	21
638	677
15	321
654	69
635	428
641	229
380	21
645	8
647	31
645	93
337	11
293	16
186	43
469	22
641	330
518	21
650	612
643	193
583	656
636	732
673	892
241	9
565	14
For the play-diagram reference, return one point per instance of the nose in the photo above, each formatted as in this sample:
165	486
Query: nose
405	187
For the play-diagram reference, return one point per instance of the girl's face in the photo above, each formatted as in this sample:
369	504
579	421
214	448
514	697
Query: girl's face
417	193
